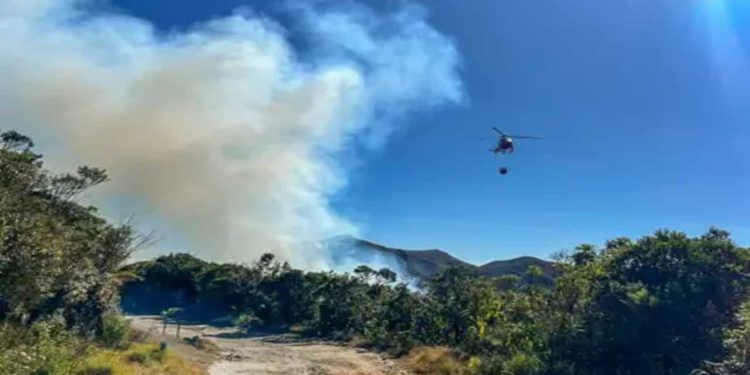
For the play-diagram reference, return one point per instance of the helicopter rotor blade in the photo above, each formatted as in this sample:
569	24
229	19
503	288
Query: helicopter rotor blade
498	131
523	137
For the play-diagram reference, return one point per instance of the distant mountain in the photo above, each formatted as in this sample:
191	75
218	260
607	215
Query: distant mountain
423	264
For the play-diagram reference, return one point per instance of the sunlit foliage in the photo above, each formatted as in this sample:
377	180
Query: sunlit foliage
657	305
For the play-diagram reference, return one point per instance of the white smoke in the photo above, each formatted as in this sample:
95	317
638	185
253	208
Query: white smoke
225	131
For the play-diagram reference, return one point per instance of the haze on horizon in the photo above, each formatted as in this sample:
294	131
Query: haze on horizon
238	127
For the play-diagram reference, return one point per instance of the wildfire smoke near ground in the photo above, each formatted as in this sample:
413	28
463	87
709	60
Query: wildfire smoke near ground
227	133
322	187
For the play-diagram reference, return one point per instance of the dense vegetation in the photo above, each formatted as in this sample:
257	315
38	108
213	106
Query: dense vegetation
666	303
663	304
60	270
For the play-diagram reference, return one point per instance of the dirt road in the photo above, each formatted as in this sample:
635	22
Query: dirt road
270	354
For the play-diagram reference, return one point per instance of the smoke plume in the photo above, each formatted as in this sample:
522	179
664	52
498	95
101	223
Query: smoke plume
228	131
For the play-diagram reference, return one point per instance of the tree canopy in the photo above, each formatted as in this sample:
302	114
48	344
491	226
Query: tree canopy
663	304
56	255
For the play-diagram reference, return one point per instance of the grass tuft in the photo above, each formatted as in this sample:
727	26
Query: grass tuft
139	358
435	361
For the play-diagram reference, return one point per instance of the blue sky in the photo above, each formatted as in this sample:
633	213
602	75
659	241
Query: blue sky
643	106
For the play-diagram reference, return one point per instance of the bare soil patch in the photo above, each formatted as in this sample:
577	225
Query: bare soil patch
269	354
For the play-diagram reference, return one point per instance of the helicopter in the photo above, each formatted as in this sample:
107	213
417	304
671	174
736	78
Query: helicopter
505	142
505	146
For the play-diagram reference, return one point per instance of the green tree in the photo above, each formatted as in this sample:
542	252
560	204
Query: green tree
57	257
656	306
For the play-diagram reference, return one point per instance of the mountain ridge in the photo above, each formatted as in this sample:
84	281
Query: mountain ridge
424	264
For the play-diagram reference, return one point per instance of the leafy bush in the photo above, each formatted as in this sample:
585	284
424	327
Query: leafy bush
737	344
115	332
45	348
518	364
57	257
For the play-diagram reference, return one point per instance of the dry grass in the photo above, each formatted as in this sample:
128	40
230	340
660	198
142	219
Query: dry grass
435	361
138	359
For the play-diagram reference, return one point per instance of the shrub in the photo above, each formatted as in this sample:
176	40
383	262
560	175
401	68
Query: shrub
435	361
115	332
247	322
520	364
45	348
